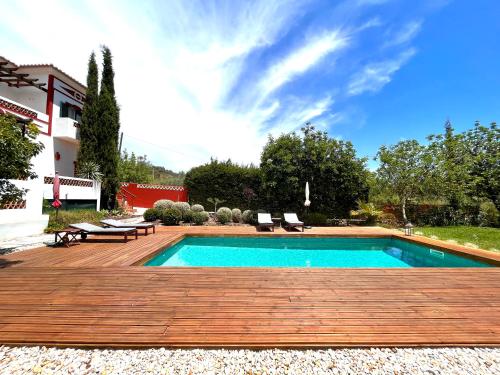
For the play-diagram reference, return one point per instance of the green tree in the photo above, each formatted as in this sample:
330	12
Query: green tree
483	145
280	165
108	153
18	149
451	166
338	179
404	171
134	169
89	127
224	180
161	175
109	126
467	165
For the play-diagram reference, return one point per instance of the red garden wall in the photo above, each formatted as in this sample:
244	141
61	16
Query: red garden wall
145	195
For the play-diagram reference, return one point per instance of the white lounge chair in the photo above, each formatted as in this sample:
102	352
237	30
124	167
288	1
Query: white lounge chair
118	224
292	221
264	221
87	228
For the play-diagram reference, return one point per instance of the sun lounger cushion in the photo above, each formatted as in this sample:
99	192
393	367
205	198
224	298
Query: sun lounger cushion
119	224
291	218
91	228
264	218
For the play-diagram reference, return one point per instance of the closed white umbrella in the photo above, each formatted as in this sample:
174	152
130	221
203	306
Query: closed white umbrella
307	203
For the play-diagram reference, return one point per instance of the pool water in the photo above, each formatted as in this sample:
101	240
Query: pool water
302	252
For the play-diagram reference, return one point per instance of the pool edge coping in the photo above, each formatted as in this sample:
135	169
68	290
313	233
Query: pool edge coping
481	255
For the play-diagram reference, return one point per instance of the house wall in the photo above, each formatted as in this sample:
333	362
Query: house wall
46	105
26	221
31	97
67	153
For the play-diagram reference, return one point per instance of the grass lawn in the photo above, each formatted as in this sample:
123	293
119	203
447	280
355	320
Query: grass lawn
485	238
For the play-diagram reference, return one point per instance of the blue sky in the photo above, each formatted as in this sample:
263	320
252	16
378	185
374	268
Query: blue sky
197	79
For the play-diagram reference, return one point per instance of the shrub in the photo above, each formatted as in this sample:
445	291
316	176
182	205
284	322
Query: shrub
171	216
247	217
152	214
315	218
224	215
236	212
164	204
197	208
488	214
187	217
200	217
182	206
366	211
225	180
389	220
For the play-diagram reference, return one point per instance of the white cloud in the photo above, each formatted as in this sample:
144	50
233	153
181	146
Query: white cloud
178	62
405	34
302	60
374	76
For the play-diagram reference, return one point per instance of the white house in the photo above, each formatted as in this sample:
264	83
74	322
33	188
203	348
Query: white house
53	100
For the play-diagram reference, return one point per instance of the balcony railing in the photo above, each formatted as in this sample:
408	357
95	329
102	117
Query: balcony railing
41	119
66	128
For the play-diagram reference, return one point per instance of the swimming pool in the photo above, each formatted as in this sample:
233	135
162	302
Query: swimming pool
300	252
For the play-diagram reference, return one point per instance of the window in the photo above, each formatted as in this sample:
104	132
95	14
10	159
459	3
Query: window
71	111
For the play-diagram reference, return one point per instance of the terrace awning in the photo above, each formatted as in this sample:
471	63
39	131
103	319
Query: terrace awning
9	76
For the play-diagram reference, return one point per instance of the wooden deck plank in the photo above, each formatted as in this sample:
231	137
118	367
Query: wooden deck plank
199	307
93	295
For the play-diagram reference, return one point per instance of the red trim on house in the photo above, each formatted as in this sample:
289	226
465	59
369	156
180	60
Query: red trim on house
50	100
22	114
68	96
66	84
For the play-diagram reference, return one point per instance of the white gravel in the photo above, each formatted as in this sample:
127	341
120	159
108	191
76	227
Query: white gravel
24	243
41	360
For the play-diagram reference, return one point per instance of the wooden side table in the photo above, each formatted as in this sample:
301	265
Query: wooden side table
66	237
276	221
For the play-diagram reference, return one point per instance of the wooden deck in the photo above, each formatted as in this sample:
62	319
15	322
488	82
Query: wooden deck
90	295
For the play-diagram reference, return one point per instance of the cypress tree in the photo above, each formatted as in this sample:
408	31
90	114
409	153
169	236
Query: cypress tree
109	127
88	151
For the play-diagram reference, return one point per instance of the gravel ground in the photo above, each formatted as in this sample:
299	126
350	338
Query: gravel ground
24	243
41	360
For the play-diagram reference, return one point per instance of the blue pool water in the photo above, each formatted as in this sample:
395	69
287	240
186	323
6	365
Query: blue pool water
305	252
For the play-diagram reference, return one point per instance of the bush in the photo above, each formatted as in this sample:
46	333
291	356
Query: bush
247	217
65	217
187	217
488	214
225	180
164	204
171	216
236	213
224	215
200	217
152	214
366	211
389	220
197	208
315	218
437	215
182	206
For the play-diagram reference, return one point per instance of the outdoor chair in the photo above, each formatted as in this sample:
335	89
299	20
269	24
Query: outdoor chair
292	221
264	221
87	228
119	224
